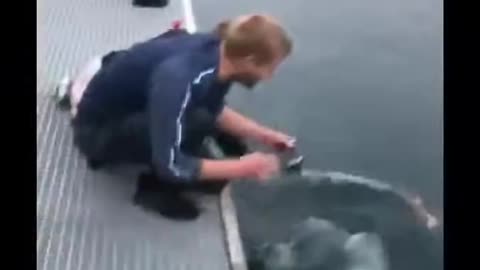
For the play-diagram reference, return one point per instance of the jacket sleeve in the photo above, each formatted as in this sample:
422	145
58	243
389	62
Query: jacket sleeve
169	98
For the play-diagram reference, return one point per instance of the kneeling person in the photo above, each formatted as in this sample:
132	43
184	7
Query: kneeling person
155	102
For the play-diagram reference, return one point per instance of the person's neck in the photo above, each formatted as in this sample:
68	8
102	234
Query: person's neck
225	68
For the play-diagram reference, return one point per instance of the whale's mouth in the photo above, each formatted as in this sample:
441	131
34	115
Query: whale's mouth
416	202
357	204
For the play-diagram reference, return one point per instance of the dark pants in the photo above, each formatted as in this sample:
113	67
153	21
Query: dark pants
125	140
128	140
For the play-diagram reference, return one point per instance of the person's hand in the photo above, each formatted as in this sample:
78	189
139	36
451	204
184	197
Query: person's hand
278	140
261	166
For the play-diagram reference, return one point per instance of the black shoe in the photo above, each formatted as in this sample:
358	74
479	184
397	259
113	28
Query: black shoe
213	188
166	200
148	182
167	204
150	3
95	164
62	93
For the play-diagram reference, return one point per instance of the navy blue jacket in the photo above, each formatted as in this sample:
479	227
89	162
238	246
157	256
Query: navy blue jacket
167	78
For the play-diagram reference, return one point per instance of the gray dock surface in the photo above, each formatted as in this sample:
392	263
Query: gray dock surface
85	219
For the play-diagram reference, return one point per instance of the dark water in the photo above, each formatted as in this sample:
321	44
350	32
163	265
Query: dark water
363	93
363	90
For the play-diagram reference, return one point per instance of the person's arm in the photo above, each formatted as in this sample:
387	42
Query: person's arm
236	124
222	169
256	166
239	125
168	99
243	127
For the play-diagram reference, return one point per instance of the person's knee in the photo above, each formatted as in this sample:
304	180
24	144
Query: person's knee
84	142
201	121
231	145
